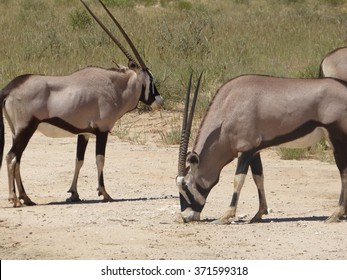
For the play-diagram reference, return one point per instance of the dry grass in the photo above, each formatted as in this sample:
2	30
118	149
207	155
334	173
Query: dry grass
223	38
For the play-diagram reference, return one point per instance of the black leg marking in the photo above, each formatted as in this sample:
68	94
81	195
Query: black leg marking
234	199
82	142
340	154
256	165
101	140
243	162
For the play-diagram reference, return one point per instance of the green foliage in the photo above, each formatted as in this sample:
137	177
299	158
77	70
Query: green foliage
292	154
319	151
184	5
80	19
223	38
120	3
333	2
171	137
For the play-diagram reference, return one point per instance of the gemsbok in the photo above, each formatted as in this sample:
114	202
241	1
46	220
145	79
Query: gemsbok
334	64
250	113
86	102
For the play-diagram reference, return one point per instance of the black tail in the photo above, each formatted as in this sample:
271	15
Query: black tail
2	134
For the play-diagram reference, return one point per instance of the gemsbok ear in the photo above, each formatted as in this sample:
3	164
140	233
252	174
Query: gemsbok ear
193	159
132	65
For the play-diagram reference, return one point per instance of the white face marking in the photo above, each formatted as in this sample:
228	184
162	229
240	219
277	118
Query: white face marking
156	105
179	183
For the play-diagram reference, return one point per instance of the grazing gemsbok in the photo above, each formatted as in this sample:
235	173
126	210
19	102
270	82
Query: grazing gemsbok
334	64
250	113
87	102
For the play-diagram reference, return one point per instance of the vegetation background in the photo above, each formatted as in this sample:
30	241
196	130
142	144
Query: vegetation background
224	38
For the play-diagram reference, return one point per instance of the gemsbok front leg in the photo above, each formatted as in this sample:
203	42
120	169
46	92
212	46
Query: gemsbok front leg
243	163
245	160
101	140
82	142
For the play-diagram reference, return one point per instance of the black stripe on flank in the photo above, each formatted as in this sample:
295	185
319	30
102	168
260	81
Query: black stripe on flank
68	127
301	131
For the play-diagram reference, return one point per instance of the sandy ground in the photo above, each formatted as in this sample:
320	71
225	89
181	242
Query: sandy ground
143	222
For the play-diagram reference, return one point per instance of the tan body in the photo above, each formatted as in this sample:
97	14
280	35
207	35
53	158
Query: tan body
88	101
252	112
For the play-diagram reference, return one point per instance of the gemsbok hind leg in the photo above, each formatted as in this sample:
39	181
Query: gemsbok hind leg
101	139
13	158
258	177
340	154
82	142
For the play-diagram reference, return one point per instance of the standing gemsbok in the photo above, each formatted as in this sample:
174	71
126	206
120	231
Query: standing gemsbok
250	113
87	102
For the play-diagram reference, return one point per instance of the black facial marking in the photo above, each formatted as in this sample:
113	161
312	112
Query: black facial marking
153	92
184	203
194	204
202	191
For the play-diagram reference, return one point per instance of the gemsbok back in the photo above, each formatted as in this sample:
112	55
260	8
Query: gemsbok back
250	113
87	102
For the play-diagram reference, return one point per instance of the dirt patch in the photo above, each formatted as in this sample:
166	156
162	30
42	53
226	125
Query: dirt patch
144	223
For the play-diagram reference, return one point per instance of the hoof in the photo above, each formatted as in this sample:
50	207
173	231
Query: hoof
108	199
73	199
29	203
15	201
221	221
332	219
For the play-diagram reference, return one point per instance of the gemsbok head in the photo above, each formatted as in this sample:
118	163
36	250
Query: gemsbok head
250	113
86	102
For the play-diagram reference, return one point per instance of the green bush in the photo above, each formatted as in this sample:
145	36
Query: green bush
80	19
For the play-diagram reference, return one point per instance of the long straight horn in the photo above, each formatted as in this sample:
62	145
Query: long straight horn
184	142
136	53
186	127
114	39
